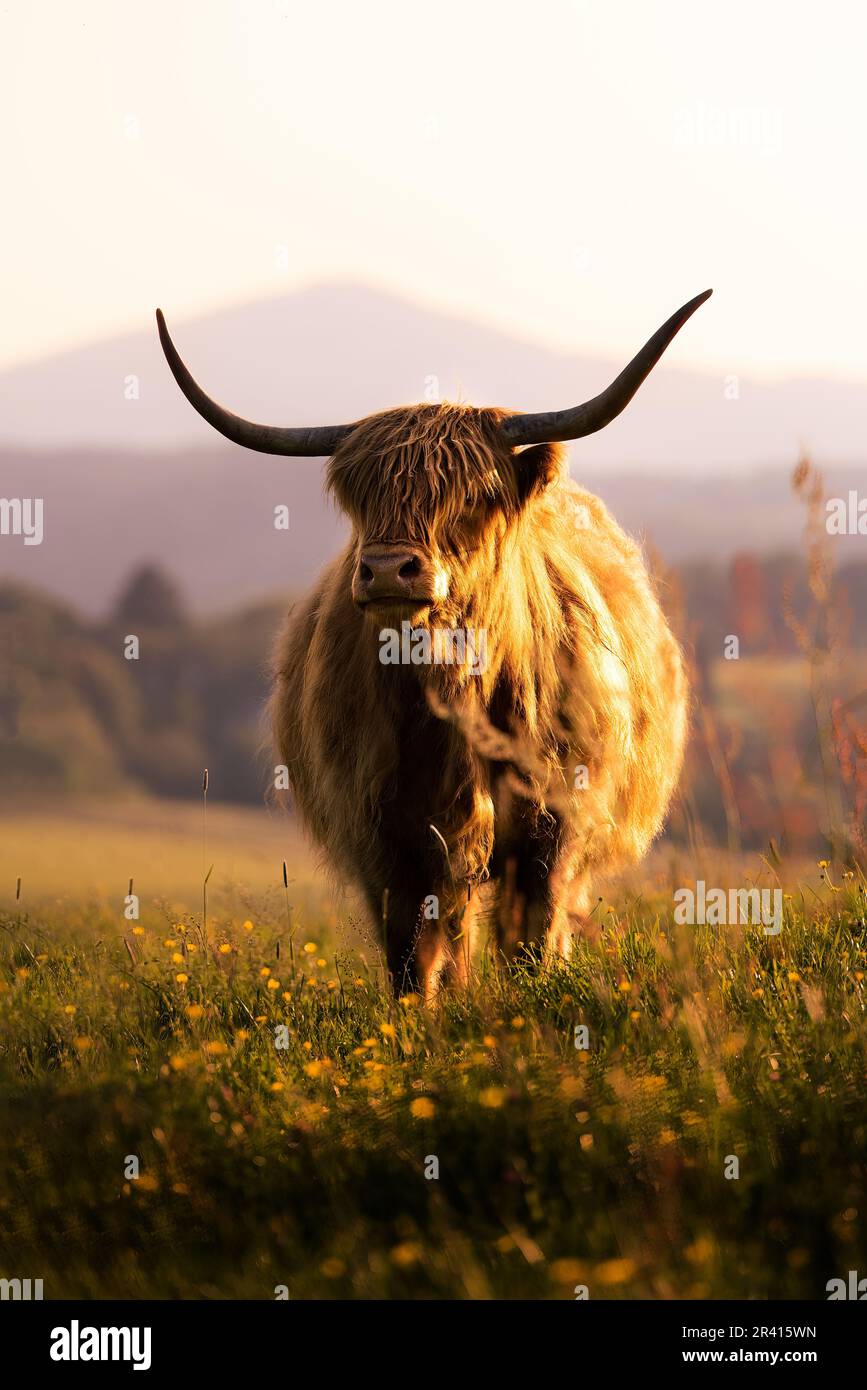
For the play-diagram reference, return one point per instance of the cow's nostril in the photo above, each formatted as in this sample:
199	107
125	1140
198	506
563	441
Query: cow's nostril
409	569
365	572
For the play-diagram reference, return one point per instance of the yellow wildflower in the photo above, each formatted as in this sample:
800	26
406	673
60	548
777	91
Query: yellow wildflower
406	1254
492	1097
615	1271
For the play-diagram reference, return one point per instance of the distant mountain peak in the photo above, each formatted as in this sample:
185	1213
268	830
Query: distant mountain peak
339	350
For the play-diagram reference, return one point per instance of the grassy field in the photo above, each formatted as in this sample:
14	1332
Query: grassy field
310	1165
88	849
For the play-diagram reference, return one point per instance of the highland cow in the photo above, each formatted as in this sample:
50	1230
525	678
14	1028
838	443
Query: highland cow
428	781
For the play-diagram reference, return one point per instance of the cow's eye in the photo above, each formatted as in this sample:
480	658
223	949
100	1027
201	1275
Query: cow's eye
473	520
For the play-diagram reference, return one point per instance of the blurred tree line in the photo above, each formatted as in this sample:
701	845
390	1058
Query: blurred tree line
77	716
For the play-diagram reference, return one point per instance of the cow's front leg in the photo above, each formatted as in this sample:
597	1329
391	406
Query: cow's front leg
463	924
412	936
415	946
421	931
532	920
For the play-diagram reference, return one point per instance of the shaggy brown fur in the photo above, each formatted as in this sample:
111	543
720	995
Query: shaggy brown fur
421	780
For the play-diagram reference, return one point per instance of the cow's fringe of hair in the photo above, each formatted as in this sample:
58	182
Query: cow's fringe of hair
414	472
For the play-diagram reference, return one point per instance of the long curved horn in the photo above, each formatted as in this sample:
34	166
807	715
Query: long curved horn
601	410
315	441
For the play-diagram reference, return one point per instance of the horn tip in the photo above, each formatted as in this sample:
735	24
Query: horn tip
690	307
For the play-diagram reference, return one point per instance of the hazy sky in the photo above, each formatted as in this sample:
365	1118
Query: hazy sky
571	170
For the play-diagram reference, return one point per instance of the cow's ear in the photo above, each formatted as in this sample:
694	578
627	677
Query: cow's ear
537	467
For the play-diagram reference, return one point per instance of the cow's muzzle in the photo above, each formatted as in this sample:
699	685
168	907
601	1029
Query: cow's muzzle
395	577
